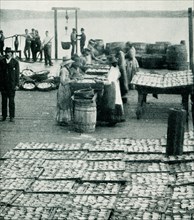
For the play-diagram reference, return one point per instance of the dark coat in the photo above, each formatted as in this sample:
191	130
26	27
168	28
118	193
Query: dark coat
9	74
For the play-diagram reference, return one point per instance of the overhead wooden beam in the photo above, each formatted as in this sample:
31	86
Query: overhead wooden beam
56	34
64	8
190	16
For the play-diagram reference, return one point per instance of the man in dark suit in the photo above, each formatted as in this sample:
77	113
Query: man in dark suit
9	82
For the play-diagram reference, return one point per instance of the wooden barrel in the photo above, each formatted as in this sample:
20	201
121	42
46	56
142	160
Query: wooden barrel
114	47
140	47
158	48
175	132
99	46
152	61
176	57
84	115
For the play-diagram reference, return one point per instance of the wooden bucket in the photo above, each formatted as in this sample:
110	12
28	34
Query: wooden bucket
176	57
85	115
65	45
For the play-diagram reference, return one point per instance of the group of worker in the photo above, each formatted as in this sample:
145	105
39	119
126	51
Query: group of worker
34	46
123	66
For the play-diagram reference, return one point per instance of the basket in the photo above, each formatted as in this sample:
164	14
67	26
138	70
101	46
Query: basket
66	45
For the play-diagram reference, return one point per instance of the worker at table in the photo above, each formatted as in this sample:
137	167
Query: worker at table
64	103
131	62
112	105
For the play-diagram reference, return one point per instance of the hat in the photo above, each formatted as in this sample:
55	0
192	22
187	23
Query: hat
92	41
82	29
113	60
66	60
8	50
1	31
87	49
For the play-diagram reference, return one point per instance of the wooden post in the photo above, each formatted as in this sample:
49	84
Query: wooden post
76	26
56	34
175	132
190	16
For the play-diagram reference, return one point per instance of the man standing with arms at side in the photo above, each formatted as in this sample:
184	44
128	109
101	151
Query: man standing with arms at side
46	43
9	81
73	41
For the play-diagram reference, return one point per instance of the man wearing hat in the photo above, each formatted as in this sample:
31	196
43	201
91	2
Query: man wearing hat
82	40
9	76
64	104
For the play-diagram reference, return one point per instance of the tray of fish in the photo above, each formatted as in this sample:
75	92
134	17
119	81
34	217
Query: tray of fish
24	172
27	154
15	184
26	213
61	174
95	201
106	165
51	186
149	178
34	146
184	178
189	135
181	167
88	188
49	200
97	65
141	205
67	147
135	215
153	190
183	192
145	149
183	206
20	163
66	164
178	216
27	72
21	168
108	145
66	155
8	196
178	159
103	176
107	156
2	208
143	158
148	141
81	212
146	167
167	80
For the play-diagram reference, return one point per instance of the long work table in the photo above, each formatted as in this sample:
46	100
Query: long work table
162	82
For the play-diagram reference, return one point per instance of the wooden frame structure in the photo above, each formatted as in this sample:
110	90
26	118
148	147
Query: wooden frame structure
55	25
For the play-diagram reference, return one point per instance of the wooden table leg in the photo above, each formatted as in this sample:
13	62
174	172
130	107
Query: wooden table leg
185	104
141	100
192	107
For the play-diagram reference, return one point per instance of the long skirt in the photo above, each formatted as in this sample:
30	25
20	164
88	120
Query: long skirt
64	105
109	111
